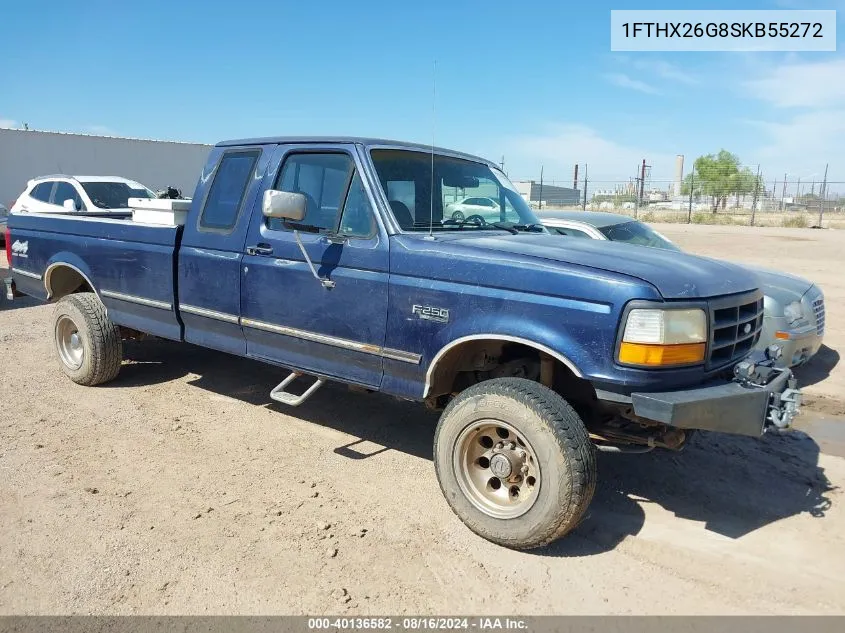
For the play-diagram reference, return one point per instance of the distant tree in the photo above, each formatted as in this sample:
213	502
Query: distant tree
719	176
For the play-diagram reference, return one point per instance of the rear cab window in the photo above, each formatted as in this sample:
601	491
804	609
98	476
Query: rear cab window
225	197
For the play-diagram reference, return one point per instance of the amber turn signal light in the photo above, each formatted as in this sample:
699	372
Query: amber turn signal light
661	355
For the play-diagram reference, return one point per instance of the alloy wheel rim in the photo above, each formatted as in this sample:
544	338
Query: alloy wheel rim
497	469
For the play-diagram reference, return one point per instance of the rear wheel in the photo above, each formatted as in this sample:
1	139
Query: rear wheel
515	462
87	342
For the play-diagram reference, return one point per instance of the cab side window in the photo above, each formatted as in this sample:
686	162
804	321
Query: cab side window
334	195
357	219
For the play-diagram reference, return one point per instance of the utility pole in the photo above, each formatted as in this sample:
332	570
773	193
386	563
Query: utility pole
823	195
756	193
584	208
691	189
798	190
502	164
783	193
641	190
540	202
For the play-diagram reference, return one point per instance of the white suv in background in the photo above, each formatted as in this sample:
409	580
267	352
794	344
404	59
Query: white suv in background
72	194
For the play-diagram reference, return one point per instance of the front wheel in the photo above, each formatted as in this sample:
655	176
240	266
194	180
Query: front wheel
515	462
87	343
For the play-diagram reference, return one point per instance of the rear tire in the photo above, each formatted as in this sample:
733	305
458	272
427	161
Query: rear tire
496	437
87	343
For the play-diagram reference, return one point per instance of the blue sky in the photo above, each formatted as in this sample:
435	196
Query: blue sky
533	81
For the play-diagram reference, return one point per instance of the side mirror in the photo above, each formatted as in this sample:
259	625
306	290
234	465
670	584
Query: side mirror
284	205
69	205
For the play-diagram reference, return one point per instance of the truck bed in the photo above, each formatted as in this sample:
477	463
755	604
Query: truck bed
131	266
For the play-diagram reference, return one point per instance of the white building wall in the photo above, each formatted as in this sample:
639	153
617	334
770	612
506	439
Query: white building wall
26	154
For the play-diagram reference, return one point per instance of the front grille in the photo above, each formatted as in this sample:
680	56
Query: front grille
735	325
818	310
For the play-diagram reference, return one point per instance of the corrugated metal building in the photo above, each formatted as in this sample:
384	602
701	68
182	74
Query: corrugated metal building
26	154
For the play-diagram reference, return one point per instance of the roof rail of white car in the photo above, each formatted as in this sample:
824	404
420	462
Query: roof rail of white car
47	177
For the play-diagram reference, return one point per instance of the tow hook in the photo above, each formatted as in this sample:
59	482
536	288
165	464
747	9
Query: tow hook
784	406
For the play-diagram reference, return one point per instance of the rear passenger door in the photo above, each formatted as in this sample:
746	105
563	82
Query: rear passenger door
209	277
289	316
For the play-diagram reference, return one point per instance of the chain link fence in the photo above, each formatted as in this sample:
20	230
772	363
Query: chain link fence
754	201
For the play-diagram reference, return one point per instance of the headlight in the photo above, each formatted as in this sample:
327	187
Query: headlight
661	338
794	312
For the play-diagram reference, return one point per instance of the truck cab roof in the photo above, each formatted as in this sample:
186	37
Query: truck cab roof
360	140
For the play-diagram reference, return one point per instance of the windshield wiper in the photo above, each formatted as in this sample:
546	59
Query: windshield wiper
502	226
532	228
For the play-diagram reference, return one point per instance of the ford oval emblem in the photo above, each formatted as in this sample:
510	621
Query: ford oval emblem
747	329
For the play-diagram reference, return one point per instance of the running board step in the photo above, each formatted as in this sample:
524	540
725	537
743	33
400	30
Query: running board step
280	395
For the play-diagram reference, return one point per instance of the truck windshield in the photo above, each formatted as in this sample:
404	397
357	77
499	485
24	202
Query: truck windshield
637	233
115	195
466	195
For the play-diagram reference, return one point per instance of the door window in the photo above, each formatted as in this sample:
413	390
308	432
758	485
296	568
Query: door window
357	219
66	191
323	179
225	197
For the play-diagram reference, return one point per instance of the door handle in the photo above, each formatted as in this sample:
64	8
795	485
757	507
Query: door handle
259	249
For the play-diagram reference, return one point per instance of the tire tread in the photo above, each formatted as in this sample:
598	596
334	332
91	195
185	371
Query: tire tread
576	451
107	348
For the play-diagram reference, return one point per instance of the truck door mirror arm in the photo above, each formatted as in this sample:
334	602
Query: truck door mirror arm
328	284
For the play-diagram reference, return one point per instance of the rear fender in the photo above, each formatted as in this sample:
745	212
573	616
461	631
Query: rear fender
62	270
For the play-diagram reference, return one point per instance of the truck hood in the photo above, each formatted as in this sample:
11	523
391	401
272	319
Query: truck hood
676	275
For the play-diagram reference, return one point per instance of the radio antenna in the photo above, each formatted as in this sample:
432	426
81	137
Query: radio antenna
433	130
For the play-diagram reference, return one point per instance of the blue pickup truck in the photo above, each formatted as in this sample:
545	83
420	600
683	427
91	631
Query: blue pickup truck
333	258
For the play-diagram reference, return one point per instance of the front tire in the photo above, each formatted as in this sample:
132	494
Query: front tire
87	343
515	462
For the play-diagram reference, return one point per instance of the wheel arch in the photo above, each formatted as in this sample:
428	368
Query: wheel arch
62	278
442	366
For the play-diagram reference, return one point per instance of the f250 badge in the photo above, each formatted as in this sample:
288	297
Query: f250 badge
431	313
20	248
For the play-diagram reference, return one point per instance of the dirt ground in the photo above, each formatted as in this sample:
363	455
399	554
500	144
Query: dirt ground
180	488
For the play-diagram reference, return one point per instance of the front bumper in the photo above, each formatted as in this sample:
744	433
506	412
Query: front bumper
728	407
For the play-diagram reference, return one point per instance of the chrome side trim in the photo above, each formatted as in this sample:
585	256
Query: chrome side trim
211	314
495	337
139	300
365	348
398	354
55	265
26	273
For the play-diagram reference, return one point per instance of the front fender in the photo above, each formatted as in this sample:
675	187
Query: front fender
555	341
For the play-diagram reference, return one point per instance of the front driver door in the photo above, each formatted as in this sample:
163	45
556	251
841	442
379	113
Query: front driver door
289	316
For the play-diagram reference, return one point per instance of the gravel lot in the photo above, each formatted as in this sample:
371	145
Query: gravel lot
180	488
